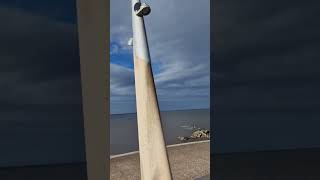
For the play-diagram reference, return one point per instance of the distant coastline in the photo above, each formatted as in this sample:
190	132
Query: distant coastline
174	110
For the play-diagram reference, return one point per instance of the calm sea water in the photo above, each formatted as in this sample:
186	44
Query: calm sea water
124	130
60	139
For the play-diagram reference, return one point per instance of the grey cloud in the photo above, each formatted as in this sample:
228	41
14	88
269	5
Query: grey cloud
121	81
122	89
179	42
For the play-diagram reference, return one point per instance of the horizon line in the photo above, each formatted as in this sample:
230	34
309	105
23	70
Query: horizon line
164	111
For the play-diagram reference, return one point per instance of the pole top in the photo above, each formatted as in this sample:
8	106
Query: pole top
141	9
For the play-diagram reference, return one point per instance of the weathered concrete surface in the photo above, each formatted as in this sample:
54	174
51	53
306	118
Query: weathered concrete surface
188	161
153	155
203	178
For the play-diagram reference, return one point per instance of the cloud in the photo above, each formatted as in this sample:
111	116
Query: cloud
179	42
114	49
122	90
121	81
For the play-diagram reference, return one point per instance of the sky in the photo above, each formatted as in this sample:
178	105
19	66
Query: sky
41	111
179	43
265	76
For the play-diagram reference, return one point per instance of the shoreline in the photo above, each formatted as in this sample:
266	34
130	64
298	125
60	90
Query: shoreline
168	146
164	111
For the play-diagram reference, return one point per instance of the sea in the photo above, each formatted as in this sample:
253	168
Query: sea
59	139
124	129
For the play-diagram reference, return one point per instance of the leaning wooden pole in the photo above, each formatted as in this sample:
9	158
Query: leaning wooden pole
154	163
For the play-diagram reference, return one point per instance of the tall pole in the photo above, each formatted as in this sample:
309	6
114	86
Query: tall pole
154	163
